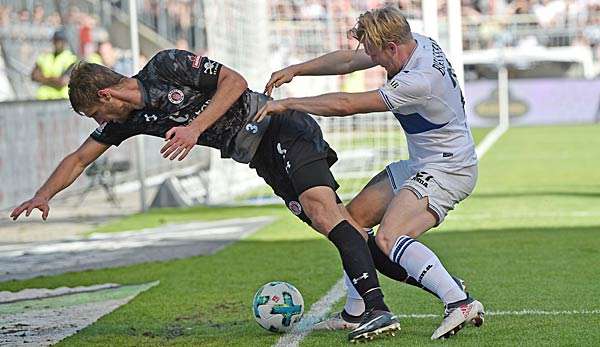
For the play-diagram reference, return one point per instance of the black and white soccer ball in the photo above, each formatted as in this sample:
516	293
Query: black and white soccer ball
278	306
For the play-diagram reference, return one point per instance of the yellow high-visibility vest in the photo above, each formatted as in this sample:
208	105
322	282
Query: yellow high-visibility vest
54	66
95	58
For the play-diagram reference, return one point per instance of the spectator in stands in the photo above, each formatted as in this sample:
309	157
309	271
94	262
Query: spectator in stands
38	15
52	69
105	55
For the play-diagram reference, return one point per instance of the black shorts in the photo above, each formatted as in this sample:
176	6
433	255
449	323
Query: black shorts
293	157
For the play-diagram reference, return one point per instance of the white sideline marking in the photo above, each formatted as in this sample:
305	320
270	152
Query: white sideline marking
322	306
316	313
489	140
526	312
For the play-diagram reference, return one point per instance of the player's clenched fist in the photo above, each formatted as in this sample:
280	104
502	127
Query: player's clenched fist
29	205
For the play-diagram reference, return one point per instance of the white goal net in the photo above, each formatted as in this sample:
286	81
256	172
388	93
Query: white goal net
258	37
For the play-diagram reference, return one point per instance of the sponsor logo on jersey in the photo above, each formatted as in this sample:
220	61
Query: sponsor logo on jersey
210	67
295	207
195	59
175	96
394	84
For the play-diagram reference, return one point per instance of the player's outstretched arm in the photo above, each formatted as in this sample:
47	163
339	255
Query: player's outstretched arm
65	173
335	63
331	104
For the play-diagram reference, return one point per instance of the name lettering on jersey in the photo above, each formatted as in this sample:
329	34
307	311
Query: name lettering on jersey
210	67
176	96
150	117
438	58
195	59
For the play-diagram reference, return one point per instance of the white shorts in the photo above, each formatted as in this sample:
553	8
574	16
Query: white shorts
444	189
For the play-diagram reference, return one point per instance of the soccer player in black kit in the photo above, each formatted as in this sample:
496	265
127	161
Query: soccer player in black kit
191	100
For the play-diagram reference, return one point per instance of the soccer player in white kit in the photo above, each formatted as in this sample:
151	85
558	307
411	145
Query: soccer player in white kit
410	196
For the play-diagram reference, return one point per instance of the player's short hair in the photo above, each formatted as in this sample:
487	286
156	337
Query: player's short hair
85	82
380	26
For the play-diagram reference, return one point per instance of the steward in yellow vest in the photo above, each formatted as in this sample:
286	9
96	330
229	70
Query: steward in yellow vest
52	69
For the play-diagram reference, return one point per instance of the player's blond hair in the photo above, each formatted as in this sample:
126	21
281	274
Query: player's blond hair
380	26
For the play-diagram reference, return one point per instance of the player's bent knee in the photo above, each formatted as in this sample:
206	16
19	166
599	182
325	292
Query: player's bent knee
385	240
359	215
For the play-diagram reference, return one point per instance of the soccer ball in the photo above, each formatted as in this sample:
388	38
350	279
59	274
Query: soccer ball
277	306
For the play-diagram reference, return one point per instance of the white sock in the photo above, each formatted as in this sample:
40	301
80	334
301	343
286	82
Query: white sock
423	265
355	305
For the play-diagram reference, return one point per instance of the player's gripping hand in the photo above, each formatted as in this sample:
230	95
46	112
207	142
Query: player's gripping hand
271	107
280	77
36	202
180	141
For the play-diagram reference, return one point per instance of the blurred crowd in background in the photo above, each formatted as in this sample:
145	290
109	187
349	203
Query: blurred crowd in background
26	27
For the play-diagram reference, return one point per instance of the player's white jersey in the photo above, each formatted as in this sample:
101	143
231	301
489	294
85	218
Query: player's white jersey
427	101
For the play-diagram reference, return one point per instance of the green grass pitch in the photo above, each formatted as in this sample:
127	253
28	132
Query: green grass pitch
528	239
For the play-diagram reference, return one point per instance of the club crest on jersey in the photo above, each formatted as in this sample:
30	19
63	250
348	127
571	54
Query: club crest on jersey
175	96
295	207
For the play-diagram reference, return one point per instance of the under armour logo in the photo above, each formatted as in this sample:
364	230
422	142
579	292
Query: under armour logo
364	276
150	117
251	128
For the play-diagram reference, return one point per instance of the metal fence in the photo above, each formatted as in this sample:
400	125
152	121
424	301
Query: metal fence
36	135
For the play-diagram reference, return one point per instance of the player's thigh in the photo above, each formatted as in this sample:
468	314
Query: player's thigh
407	214
368	206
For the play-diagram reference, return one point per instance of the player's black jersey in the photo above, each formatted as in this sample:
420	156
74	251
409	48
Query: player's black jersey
176	87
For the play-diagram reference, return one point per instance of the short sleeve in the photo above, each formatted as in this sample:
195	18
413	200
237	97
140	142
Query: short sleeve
187	68
405	89
111	133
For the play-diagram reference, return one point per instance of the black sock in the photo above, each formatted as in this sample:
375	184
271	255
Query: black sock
390	269
358	264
